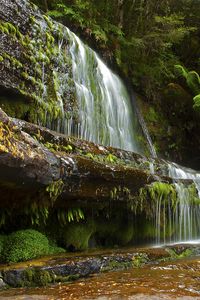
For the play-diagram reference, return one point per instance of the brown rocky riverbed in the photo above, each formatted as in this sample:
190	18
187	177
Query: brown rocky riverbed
174	280
161	277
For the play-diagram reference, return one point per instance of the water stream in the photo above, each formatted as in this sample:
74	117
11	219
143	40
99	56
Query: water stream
180	218
103	112
175	280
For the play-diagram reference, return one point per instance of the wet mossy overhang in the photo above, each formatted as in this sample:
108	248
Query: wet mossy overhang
36	163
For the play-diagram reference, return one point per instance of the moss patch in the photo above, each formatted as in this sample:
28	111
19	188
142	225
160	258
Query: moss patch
24	245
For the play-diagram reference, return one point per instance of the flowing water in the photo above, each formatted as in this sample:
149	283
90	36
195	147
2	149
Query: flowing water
106	116
179	221
175	280
103	113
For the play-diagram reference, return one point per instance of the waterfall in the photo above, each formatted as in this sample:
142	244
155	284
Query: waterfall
105	115
182	218
101	112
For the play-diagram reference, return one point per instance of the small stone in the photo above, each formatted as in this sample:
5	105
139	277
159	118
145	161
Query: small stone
2	283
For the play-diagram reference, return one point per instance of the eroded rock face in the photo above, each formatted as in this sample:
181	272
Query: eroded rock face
49	179
35	157
31	154
34	65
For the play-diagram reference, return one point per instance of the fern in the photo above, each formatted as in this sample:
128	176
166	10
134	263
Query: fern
193	81
181	71
196	101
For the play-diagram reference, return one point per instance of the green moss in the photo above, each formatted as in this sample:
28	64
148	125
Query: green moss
111	158
68	148
185	253
32	19
116	265
2	242
9	28
49	21
24	245
36	277
1	58
25	75
159	191
76	236
55	189
140	259
16	108
56	250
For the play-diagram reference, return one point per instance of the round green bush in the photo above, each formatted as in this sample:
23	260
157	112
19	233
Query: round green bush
24	245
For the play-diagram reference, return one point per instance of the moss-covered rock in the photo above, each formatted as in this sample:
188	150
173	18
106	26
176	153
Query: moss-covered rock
35	277
76	236
33	67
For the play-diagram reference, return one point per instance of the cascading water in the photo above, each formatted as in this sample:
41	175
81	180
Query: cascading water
180	217
187	217
105	115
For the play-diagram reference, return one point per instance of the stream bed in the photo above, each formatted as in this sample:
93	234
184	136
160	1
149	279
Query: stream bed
179	279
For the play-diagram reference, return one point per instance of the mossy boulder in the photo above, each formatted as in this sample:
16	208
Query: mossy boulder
24	245
76	236
35	277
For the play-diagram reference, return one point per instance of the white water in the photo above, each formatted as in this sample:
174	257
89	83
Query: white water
105	114
179	172
183	218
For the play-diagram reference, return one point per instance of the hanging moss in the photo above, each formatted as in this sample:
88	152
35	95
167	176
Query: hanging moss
55	189
159	191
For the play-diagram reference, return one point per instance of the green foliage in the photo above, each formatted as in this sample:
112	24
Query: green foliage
38	214
36	277
70	215
90	155
24	245
193	81
55	189
68	148
56	250
159	191
2	242
76	236
197	101
111	158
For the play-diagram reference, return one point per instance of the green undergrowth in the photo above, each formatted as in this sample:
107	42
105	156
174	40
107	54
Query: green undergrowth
26	244
183	254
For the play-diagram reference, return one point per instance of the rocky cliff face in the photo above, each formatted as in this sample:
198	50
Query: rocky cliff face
34	65
46	178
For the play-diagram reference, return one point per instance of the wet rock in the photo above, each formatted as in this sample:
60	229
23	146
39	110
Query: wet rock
32	62
34	160
13	277
60	269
